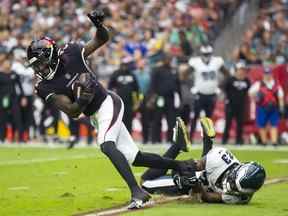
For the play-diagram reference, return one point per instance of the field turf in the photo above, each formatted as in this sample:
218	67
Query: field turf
57	182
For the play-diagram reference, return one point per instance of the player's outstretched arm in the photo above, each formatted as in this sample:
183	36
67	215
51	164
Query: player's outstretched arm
101	36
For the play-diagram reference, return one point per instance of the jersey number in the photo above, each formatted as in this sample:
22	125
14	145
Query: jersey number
227	157
210	75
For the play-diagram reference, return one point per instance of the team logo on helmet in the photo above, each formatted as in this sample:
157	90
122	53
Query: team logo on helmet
245	178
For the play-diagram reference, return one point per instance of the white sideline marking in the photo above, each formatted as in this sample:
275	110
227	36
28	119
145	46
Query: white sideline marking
44	160
18	188
281	161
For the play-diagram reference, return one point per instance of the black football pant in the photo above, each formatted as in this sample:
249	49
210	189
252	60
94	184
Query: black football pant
146	119
11	116
202	102
234	112
27	114
169	112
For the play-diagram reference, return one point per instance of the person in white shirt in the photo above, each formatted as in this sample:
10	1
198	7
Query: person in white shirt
206	69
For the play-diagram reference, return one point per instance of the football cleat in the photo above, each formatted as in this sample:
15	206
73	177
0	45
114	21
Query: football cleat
180	135
208	129
139	200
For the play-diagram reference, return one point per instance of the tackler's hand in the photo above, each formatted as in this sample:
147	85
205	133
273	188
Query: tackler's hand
97	17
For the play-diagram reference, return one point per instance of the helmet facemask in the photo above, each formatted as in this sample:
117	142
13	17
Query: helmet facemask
43	58
245	179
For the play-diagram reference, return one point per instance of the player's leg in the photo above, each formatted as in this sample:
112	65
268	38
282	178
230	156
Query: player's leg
210	102
180	142
208	134
144	159
109	125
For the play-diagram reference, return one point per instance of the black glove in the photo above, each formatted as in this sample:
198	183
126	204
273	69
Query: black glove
184	182
84	89
97	17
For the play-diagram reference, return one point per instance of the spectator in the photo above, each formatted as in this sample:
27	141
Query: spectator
124	83
143	73
269	97
186	83
9	106
26	101
164	92
236	91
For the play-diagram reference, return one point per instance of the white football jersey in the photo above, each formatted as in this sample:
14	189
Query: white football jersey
206	75
218	160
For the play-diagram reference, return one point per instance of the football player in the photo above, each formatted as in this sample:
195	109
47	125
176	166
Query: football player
206	69
223	178
70	85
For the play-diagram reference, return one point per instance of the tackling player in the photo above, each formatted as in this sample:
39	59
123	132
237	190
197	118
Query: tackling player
70	85
224	179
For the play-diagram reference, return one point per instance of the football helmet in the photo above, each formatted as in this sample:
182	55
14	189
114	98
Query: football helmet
245	178
43	57
206	52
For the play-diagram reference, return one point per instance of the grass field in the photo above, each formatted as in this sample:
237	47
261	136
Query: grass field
57	182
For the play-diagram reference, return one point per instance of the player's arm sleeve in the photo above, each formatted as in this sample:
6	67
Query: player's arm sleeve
101	37
43	93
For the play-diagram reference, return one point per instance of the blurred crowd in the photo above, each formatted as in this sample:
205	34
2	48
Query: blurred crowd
146	63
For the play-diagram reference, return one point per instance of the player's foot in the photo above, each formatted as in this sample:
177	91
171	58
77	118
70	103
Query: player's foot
138	200
207	127
180	135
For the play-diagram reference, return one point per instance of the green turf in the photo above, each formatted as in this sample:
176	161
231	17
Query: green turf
269	201
57	182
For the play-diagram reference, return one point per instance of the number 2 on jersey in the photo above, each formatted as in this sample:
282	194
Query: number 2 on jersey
227	157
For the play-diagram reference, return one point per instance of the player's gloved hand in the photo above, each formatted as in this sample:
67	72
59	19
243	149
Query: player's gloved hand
97	17
84	89
185	182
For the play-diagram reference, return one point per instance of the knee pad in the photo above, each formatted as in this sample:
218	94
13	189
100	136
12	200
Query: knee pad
107	147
